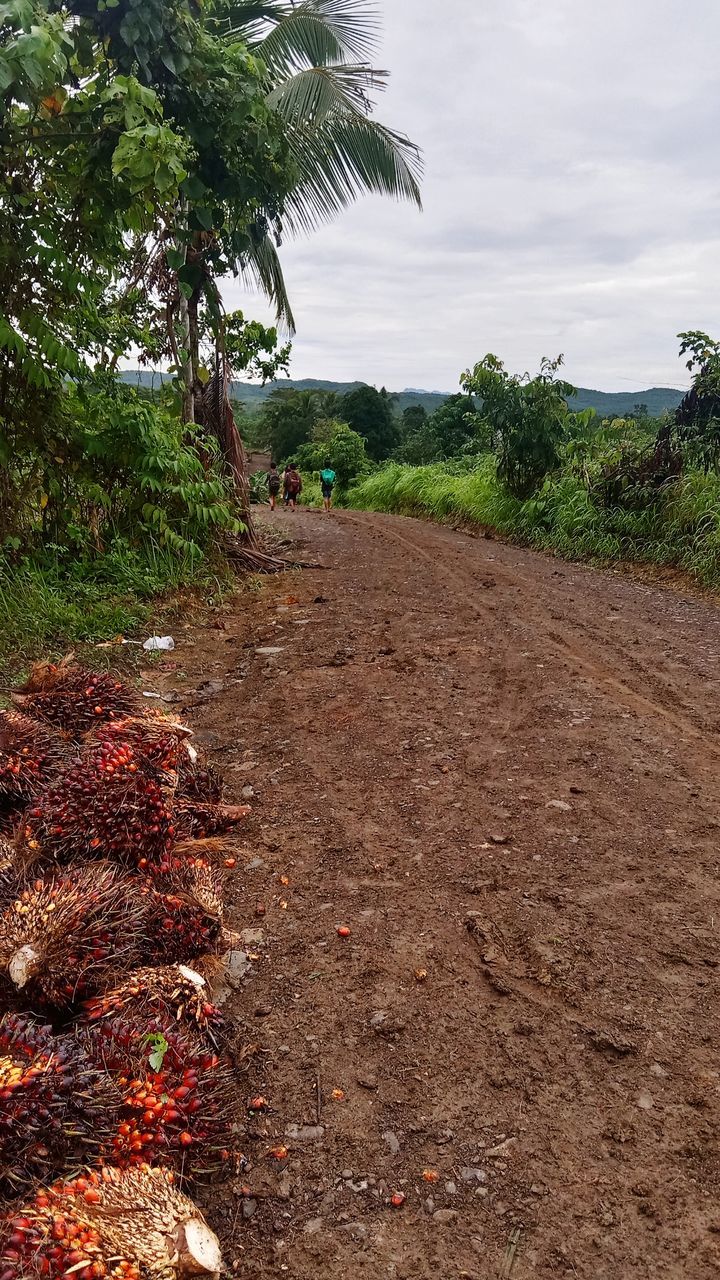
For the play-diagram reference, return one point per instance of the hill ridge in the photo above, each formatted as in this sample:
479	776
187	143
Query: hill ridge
606	403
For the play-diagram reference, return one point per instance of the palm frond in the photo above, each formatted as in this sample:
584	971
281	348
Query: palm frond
247	20
287	36
320	32
307	98
261	268
344	158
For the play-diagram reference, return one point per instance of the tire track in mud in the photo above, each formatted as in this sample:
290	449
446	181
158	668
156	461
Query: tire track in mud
692	727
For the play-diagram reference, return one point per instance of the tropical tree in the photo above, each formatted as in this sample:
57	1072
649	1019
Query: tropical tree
334	442
454	424
527	419
321	83
371	413
697	421
288	417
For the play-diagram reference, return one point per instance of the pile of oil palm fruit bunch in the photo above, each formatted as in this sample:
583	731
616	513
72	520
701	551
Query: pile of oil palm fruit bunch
115	1090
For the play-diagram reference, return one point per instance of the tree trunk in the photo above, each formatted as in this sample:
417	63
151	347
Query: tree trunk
188	411
219	417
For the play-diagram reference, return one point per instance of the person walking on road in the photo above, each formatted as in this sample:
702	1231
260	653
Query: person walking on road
273	484
286	495
327	483
293	485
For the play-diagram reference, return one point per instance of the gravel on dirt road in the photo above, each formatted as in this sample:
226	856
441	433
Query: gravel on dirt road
481	876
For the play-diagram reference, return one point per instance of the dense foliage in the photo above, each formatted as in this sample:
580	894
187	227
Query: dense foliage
632	488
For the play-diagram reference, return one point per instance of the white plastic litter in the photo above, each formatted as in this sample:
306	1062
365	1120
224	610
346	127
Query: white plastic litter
159	642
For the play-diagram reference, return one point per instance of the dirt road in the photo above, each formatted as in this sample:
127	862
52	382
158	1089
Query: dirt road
503	772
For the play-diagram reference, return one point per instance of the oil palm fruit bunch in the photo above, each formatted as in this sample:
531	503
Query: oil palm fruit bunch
198	780
111	1225
67	935
56	1109
31	754
155	741
178	1096
73	698
111	802
70	935
173	994
186	920
197	820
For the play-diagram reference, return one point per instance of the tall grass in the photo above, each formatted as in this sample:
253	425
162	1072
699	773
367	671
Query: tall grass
681	528
54	602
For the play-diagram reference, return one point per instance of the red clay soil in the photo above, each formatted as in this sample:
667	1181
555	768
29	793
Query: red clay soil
501	773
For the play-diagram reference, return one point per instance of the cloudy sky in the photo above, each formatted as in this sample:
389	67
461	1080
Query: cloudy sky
572	199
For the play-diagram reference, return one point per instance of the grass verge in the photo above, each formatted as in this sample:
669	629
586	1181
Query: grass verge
680	529
51	604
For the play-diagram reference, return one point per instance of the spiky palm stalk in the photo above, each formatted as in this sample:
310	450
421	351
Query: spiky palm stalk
9	873
179	1097
132	1225
173	994
56	1109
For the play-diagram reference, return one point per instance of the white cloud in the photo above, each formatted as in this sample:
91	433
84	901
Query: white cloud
571	199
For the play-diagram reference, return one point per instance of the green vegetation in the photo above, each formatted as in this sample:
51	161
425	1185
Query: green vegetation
632	489
149	149
607	404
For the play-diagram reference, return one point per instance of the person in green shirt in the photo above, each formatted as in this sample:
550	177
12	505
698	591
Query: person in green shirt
327	483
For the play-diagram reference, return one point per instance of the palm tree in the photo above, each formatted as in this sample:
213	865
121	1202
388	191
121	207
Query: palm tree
321	82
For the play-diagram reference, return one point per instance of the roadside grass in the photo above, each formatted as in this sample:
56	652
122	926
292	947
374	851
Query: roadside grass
680	529
53	602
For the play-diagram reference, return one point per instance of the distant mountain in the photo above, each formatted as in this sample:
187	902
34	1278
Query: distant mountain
608	404
618	404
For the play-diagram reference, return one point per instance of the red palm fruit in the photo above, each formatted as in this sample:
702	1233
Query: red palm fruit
155	741
74	698
31	754
132	1225
68	935
112	802
173	994
173	1086
56	1108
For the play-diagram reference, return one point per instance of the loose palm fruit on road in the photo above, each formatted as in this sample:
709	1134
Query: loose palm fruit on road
56	1108
31	754
113	1225
173	994
73	698
179	1098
